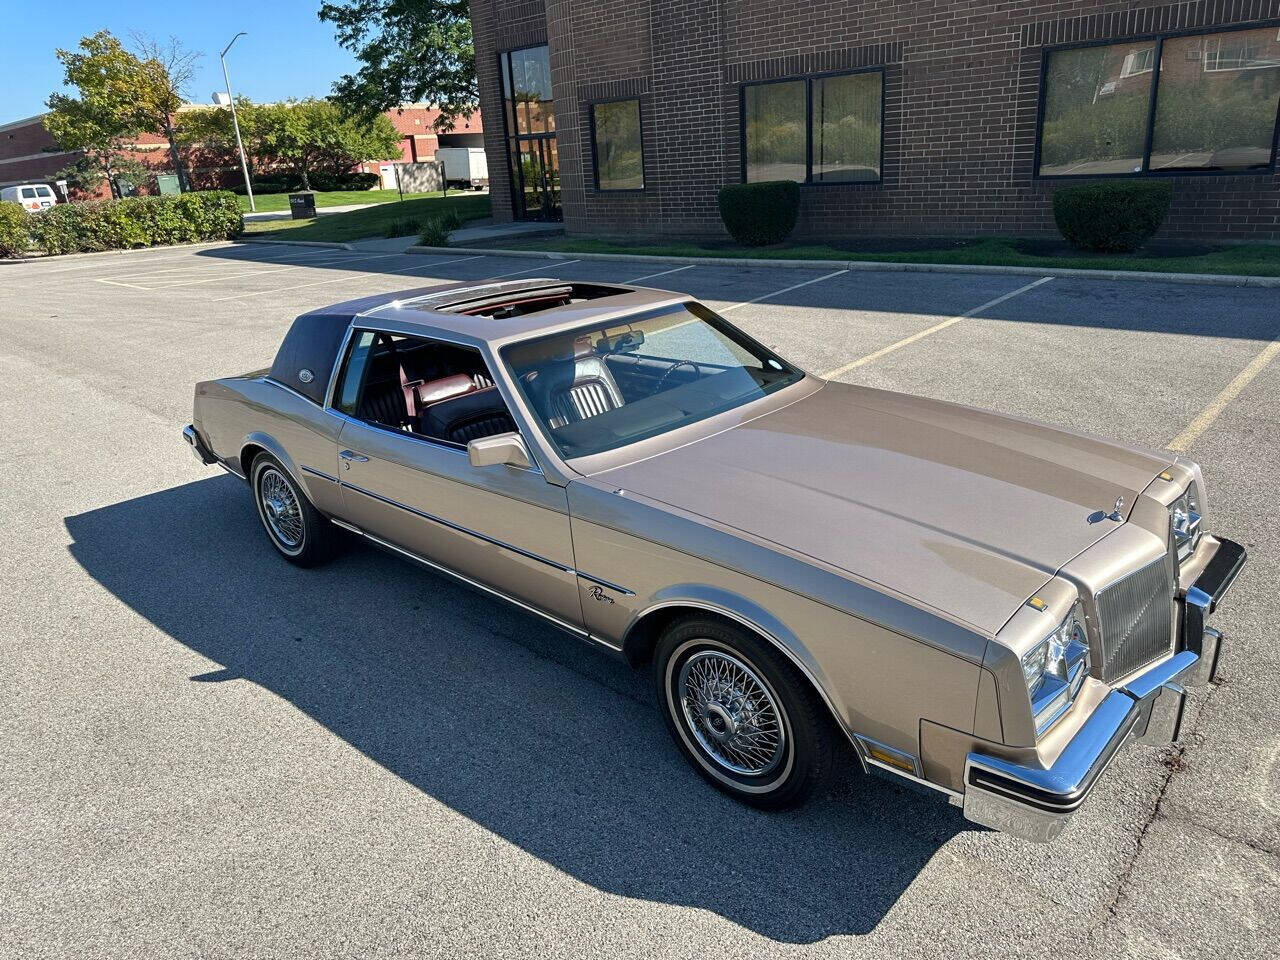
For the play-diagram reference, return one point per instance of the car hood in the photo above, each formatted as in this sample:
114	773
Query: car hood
961	510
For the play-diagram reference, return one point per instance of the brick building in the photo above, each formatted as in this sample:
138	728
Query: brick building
29	155
931	118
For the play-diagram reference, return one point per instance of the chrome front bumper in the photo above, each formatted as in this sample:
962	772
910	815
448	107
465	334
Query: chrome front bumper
1035	803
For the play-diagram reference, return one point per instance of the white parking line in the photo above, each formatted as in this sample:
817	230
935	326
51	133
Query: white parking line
321	255
168	285
363	274
1205	418
650	276
120	255
906	341
516	273
776	293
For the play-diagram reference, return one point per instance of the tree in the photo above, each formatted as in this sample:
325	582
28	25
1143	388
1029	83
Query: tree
100	123
411	51
164	74
312	135
121	95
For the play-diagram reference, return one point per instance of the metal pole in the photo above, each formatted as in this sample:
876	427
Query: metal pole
235	123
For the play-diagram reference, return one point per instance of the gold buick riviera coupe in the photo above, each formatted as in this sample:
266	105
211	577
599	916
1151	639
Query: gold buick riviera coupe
983	605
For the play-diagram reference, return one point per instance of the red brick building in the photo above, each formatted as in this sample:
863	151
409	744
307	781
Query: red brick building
932	118
29	155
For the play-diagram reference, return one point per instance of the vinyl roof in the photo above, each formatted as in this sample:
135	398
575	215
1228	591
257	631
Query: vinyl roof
435	308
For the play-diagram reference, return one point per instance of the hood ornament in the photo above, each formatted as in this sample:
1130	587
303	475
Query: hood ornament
1098	516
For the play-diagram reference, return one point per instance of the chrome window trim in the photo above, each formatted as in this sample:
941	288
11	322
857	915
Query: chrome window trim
352	329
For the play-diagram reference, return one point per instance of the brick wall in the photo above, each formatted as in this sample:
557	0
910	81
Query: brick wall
961	96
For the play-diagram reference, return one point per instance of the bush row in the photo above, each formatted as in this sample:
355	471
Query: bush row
326	182
121	224
1113	216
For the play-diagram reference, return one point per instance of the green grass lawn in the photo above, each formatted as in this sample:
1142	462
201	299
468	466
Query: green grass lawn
403	219
274	202
1242	260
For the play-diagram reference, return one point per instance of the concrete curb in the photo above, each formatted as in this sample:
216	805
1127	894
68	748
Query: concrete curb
300	243
1211	279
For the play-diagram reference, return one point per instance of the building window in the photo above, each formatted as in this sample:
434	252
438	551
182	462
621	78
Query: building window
773	118
846	128
815	130
618	147
1215	98
529	117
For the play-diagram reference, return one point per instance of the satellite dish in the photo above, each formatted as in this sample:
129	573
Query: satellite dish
220	99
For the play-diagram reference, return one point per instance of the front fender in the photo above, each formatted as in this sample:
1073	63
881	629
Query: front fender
751	615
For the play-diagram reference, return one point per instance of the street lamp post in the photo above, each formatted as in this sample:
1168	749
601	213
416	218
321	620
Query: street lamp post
244	164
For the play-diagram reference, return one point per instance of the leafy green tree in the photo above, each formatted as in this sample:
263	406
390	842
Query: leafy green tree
121	94
312	135
411	51
100	122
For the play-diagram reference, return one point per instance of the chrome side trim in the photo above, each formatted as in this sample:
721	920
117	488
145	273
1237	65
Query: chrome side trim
440	568
346	526
457	527
607	584
319	473
230	469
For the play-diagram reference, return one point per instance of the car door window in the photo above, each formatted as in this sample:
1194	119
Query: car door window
435	391
28	193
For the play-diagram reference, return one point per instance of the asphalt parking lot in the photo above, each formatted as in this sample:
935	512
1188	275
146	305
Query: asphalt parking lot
207	752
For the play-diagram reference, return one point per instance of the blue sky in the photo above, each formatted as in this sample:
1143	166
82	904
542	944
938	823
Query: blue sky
288	52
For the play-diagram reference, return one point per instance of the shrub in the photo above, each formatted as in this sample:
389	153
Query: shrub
1112	217
436	232
402	227
756	214
136	222
15	230
344	181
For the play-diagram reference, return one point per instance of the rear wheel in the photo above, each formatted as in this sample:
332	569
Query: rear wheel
296	529
741	713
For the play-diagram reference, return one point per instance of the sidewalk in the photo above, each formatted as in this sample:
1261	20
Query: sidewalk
320	212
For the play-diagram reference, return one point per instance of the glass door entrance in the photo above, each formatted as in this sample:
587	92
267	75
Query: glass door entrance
531	133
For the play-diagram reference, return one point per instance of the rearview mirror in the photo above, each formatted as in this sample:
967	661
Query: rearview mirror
622	343
502	448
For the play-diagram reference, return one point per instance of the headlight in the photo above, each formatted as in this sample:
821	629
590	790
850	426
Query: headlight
1056	667
1184	522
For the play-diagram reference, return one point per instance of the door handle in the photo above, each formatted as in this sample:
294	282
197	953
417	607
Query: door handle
351	455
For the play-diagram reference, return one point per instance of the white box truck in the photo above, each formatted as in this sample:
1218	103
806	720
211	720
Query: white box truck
464	167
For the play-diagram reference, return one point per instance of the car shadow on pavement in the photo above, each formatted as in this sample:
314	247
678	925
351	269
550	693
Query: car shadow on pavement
552	746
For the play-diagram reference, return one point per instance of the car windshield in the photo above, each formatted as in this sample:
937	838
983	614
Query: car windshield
599	388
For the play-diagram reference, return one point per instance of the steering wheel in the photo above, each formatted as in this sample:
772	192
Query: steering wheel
672	369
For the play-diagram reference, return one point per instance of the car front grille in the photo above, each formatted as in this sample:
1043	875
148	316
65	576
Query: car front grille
1135	615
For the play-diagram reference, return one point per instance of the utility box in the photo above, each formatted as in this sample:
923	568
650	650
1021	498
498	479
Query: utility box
167	184
303	204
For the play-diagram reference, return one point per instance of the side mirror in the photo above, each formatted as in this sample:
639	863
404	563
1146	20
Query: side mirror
501	448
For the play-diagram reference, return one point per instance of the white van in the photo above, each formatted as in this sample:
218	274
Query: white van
32	196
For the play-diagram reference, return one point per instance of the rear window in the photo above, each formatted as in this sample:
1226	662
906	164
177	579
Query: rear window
28	193
44	191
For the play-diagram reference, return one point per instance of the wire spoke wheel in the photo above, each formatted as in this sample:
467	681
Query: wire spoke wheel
731	713
280	508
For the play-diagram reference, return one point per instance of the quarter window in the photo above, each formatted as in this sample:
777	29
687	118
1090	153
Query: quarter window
1215	106
815	130
615	131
